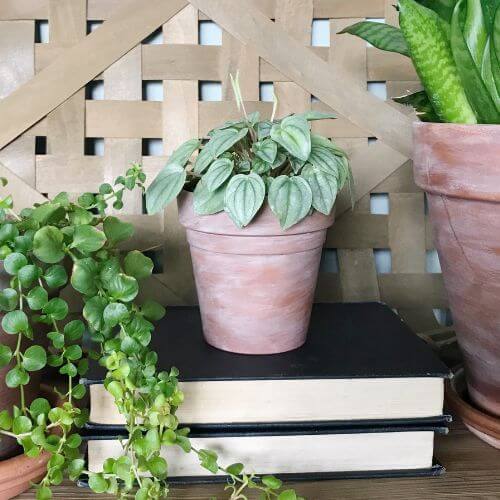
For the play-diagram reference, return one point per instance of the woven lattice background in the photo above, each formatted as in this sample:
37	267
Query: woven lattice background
57	153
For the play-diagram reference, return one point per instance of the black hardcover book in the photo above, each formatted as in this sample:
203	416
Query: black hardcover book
360	363
390	451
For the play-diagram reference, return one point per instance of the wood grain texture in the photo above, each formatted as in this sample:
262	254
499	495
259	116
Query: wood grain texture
472	473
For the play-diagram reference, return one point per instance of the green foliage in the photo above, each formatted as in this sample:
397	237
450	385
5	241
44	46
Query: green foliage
38	247
235	169
454	46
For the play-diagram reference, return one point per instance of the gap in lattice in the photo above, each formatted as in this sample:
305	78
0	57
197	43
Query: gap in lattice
94	146
314	98
152	147
94	90
432	264
93	25
266	91
378	89
40	145
443	317
372	140
156	38
42	31
320	33
383	260
209	33
157	257
209	91
329	261
152	90
379	204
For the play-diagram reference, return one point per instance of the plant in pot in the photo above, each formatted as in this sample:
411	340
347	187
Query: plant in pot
256	203
455	48
44	249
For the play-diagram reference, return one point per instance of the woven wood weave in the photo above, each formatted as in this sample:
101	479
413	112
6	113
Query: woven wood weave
50	108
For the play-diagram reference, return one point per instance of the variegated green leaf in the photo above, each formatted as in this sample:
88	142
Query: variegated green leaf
325	159
474	30
166	186
266	150
290	199
488	76
294	135
218	172
421	103
318	140
323	186
182	154
260	167
207	202
296	165
280	160
244	197
263	129
382	36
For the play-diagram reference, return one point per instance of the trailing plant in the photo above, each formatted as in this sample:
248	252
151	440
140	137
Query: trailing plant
62	242
455	48
250	160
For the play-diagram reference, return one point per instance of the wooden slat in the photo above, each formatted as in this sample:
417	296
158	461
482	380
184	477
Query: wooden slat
358	275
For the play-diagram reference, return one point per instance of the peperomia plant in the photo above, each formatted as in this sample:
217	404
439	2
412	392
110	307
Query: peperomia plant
62	242
246	161
455	48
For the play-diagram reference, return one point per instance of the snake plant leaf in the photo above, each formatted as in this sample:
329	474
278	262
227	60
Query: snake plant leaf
244	197
294	135
421	103
323	186
477	93
218	173
206	202
490	8
317	115
219	143
182	154
488	76
475	30
382	36
444	8
266	150
495	49
166	186
433	60
290	199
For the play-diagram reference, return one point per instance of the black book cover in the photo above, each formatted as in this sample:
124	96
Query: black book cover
361	340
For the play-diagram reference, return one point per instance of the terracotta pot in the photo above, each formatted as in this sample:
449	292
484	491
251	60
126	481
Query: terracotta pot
255	285
459	168
17	473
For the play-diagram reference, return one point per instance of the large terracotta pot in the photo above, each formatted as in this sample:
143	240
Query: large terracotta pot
459	168
255	285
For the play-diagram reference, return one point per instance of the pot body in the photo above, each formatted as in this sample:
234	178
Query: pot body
459	168
255	285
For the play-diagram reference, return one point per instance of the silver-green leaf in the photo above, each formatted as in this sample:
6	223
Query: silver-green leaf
206	202
290	199
294	135
325	159
323	186
167	185
317	115
218	172
182	154
266	150
244	197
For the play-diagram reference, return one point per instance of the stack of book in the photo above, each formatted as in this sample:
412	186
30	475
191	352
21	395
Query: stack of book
362	398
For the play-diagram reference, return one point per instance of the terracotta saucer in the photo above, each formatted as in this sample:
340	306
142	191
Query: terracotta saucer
484	425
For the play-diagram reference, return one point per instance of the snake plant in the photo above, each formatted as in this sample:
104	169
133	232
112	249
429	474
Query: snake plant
455	48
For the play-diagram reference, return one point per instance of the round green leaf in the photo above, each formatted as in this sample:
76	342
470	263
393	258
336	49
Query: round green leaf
15	322
74	441
37	298
287	495
83	276
206	202
93	311
34	358
88	239
235	469
152	310
48	244
8	232
115	389
294	135
97	483
16	377
14	262
136	264
123	287
73	352
114	313
272	482
323	187
5	355
21	424
8	299
166	186
75	468
117	230
39	406
74	330
158	467
28	274
55	276
43	493
5	420
79	391
290	199
56	308
244	197
217	174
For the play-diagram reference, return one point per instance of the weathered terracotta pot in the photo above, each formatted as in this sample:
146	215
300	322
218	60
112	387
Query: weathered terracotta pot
459	168
255	285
